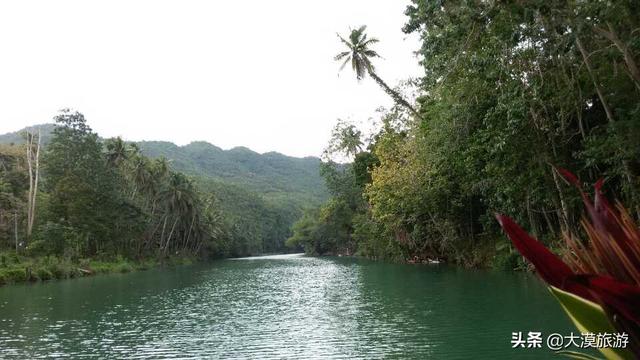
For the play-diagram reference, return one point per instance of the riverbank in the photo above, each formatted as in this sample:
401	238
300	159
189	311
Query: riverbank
18	269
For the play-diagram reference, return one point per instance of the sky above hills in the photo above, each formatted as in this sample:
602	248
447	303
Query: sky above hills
235	73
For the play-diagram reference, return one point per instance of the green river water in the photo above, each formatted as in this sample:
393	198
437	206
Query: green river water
287	306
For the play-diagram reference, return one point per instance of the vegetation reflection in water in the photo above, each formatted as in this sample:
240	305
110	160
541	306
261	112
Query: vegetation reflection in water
282	306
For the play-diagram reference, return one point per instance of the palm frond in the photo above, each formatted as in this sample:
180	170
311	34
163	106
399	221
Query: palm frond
367	64
371	54
346	61
341	55
367	42
356	35
349	45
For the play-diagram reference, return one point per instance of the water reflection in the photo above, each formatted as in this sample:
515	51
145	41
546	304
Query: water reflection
278	307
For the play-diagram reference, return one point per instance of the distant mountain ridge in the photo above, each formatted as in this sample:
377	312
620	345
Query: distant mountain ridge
272	175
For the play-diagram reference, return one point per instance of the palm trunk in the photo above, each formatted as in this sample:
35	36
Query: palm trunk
164	226
394	94
186	242
173	227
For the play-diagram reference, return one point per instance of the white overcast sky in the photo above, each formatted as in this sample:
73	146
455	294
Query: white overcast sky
252	73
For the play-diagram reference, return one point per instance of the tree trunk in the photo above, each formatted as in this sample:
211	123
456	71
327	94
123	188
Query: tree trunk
35	187
33	162
394	95
186	242
30	170
164	226
564	218
532	223
552	230
15	227
173	227
587	63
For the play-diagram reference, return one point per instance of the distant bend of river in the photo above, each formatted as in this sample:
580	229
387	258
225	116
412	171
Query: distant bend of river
286	306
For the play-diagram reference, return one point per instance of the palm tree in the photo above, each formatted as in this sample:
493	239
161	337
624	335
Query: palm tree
117	151
179	200
360	54
158	170
140	174
161	167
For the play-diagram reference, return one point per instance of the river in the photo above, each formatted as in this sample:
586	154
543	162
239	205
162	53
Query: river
286	306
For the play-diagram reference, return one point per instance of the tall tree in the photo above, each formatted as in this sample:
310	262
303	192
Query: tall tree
360	54
83	189
33	161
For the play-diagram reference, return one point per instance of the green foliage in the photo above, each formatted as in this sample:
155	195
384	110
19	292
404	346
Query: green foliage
105	200
517	99
509	91
328	229
56	238
247	202
84	201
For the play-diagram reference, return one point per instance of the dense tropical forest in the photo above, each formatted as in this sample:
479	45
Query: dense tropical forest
72	202
510	91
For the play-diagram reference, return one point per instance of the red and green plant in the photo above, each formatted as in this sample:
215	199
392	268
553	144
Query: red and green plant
598	282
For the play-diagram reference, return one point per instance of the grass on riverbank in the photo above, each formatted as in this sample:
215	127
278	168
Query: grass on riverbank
17	268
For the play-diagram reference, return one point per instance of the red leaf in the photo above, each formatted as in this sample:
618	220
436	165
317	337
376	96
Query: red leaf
553	270
568	176
607	220
621	297
604	218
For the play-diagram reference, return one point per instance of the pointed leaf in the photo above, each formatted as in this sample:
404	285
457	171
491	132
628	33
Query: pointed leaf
589	317
553	270
621	297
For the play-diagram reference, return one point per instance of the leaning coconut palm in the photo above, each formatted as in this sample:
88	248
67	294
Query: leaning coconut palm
360	54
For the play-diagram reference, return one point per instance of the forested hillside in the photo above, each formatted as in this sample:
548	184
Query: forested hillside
66	193
273	175
81	199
